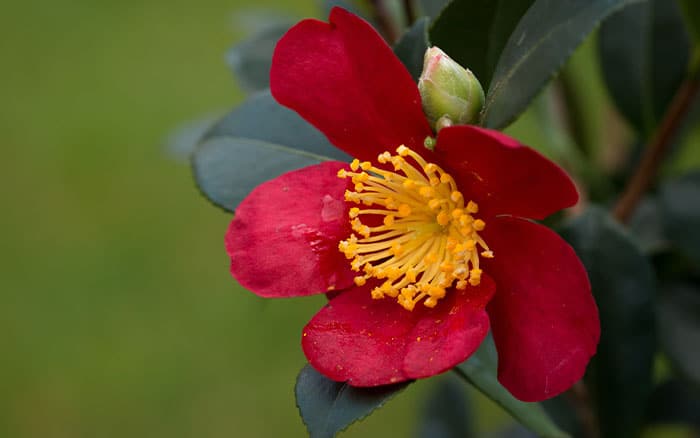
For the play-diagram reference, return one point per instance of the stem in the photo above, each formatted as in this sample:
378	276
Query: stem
409	11
656	149
384	22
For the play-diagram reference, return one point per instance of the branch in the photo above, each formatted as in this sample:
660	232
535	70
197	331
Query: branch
656	149
409	12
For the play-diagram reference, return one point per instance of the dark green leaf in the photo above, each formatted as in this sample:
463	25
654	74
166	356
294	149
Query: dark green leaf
480	371
691	13
250	60
256	142
543	40
446	412
679	327
432	8
674	402
623	283
327	407
644	52
646	226
680	204
474	32
412	46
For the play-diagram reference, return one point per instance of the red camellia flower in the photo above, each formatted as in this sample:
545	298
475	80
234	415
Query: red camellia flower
423	250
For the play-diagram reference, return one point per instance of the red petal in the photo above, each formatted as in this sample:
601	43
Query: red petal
502	175
346	81
544	319
284	238
369	342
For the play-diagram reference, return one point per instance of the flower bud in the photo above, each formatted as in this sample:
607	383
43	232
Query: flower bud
451	94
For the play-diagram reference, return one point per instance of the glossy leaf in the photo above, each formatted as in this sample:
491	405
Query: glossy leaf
623	283
474	32
251	59
674	402
328	407
257	141
412	45
680	204
446	412
543	40
679	327
480	371
432	8
644	51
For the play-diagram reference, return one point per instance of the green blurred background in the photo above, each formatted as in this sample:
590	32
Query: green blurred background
119	317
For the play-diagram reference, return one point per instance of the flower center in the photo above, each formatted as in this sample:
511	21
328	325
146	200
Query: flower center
411	229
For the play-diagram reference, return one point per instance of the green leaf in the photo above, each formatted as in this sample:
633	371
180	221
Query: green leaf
328	407
679	327
474	32
412	45
674	402
480	371
432	8
622	280
251	59
644	52
680	206
446	412
543	40
256	142
691	13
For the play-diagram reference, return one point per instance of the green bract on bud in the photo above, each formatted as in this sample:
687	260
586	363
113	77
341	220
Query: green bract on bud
451	94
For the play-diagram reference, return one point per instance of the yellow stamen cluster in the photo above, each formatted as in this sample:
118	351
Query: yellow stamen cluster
418	233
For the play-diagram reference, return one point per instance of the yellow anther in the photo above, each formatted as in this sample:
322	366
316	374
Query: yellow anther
434	204
447	267
403	150
404	210
427	192
423	240
430	302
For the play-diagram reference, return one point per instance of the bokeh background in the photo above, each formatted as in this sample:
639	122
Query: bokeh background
118	314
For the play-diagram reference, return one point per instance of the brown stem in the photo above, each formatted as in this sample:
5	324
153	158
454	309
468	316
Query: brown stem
656	149
581	401
386	26
409	12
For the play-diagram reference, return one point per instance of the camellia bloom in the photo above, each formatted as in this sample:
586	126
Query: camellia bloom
423	250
